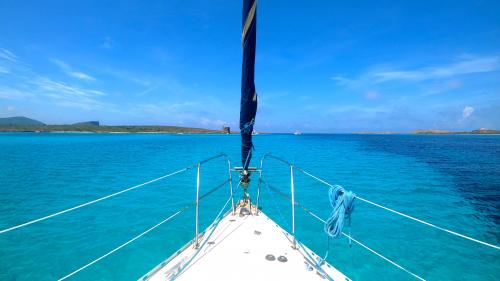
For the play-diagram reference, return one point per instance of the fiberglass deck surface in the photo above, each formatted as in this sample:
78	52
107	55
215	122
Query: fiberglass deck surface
238	248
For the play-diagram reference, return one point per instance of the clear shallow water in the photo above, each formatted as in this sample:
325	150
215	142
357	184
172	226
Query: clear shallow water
452	181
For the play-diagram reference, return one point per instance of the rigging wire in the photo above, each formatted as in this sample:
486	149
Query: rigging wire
214	224
387	208
110	195
92	202
181	210
126	243
218	216
348	236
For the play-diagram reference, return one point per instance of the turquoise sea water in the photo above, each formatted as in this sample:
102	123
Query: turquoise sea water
452	181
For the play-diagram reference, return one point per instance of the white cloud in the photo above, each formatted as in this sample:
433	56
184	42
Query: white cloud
357	109
371	95
4	70
342	80
68	70
209	122
14	94
466	66
443	86
29	86
467	111
85	104
270	99
58	93
81	75
128	76
199	113
168	108
7	55
463	66
67	95
183	105
60	88
62	65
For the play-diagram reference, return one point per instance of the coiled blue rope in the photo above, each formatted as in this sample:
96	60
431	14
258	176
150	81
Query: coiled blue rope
343	205
342	202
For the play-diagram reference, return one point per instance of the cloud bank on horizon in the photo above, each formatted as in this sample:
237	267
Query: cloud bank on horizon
321	67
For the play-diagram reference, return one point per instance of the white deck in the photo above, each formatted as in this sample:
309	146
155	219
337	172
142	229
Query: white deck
238	248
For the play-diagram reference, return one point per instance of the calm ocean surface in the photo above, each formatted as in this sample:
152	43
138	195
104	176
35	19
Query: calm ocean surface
451	181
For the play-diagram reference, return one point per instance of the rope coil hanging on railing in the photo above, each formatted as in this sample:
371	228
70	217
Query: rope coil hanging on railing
384	207
343	205
342	202
319	262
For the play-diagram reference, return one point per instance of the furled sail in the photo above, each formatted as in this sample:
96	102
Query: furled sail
248	105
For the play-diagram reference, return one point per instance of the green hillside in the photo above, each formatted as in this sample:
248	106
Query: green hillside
19	120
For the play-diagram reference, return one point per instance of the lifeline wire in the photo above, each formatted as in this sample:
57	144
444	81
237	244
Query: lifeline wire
90	202
389	209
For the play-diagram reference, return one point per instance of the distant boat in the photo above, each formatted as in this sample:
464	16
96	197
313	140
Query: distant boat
297	133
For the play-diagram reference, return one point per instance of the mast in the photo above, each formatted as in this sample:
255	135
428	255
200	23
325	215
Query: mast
248	104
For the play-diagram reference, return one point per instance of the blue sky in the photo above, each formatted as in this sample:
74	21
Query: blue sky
322	66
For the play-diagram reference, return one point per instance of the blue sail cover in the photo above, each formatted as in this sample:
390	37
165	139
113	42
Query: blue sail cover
248	105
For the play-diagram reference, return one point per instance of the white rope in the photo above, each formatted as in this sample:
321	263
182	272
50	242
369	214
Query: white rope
124	244
407	216
91	202
370	249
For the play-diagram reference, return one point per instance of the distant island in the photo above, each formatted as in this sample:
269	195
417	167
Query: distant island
482	131
24	124
19	120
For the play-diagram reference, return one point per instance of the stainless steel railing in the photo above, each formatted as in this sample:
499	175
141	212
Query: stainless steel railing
198	174
292	185
292	188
